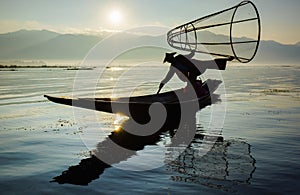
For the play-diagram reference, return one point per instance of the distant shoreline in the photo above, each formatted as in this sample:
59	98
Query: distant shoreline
15	67
34	66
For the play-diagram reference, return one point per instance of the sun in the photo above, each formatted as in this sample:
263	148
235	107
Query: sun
115	17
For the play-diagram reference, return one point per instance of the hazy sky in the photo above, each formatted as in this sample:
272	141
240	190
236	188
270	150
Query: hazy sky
280	18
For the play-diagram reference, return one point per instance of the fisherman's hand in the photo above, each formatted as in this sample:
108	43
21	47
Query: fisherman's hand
160	87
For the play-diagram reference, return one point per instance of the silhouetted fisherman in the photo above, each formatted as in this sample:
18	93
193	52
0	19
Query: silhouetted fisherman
188	69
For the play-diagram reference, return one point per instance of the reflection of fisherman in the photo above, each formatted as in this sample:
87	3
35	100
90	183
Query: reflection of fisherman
188	69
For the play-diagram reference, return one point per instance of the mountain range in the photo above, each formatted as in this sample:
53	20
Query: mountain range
44	45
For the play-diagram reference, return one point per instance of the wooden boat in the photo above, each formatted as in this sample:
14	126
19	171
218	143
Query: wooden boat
138	107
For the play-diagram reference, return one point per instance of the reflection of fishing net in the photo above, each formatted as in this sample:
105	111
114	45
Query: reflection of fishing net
231	32
226	163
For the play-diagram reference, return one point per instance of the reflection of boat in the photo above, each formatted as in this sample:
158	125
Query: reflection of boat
138	107
119	146
227	161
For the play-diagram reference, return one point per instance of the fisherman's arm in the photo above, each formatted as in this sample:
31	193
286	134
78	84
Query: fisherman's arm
168	77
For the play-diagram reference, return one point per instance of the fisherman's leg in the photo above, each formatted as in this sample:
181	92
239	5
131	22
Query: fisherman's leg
195	88
201	91
221	63
198	86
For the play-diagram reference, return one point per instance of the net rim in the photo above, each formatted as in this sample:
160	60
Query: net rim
258	36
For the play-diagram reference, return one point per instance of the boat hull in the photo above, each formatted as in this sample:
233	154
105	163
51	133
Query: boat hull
140	108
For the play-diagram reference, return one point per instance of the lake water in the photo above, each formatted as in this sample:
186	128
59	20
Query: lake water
257	150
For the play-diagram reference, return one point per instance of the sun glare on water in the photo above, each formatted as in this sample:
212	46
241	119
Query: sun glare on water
115	17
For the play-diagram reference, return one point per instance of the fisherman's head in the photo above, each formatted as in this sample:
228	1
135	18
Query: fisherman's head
169	57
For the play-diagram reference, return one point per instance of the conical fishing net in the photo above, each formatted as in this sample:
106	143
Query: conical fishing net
231	32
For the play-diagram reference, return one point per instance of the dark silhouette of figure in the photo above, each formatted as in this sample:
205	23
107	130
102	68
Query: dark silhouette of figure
188	69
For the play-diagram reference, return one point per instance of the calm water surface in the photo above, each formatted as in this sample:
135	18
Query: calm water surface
258	150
